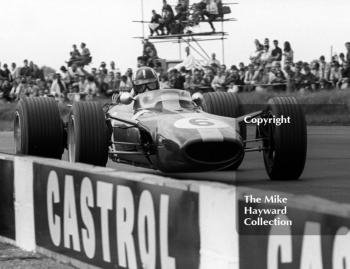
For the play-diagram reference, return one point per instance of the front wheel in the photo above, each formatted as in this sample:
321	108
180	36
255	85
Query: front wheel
38	128
285	145
87	134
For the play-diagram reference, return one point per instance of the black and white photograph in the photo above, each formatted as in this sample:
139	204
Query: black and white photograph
175	134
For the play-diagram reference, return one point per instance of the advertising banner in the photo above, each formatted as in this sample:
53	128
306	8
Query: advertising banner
111	222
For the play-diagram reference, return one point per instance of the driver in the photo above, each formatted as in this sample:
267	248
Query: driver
145	80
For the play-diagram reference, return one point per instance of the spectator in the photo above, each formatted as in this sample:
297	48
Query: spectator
141	61
164	82
347	46
85	57
220	8
208	77
112	67
256	55
25	70
167	7
197	80
178	26
277	77
346	76
75	71
218	83
177	80
75	52
336	75
65	76
159	69
124	85
342	60
103	69
74	55
5	73
110	81
82	84
288	53
266	74
117	80
58	88
90	87
15	71
31	66
201	8
289	75
233	79
267	42
19	89
5	91
212	12
188	84
154	26
248	78
167	21
324	69
242	67
37	73
266	55
241	72
147	47
128	82
309	80
213	60
276	53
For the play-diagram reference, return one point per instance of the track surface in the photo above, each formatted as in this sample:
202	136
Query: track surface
326	175
14	258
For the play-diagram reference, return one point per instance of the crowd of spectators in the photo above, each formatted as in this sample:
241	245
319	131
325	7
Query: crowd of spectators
269	69
71	80
170	22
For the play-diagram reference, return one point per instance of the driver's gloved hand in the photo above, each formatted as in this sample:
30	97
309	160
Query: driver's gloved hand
116	98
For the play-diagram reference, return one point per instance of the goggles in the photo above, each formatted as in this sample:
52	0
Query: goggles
143	87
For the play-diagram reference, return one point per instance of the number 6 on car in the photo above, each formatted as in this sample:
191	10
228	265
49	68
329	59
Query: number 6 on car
200	122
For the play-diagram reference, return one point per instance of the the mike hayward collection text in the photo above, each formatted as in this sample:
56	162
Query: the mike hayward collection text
265	211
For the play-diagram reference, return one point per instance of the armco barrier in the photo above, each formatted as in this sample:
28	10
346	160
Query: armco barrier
97	217
90	216
7	211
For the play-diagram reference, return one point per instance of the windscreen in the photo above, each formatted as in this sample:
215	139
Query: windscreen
169	99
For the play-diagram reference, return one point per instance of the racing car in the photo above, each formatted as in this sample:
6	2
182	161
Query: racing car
168	130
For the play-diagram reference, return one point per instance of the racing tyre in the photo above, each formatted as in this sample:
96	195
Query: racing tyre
38	128
87	134
286	144
227	105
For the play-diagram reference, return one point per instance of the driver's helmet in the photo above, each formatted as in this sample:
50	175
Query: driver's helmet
145	79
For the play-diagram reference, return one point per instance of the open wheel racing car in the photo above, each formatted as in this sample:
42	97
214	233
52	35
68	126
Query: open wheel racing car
165	130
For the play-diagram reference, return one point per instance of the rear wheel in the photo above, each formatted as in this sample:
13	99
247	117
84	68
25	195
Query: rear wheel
286	144
87	134
226	105
38	128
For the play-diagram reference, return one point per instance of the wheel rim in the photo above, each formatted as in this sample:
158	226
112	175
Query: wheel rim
18	133
71	140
